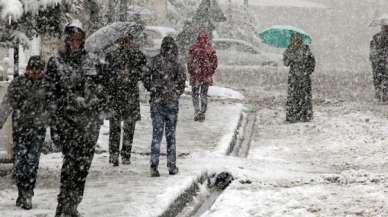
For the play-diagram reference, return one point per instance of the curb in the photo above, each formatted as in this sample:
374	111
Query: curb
189	194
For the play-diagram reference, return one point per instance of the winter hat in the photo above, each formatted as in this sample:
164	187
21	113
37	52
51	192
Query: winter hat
35	63
74	27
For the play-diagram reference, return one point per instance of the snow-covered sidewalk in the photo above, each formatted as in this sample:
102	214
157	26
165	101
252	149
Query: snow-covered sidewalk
128	190
334	166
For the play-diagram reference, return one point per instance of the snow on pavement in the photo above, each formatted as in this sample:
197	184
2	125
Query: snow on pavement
335	166
129	190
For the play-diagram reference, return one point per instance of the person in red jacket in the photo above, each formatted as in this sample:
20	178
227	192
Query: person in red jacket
202	64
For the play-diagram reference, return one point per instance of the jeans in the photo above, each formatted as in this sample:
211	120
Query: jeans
199	94
114	137
164	118
28	143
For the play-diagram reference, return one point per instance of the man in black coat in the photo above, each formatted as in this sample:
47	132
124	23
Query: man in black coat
125	67
74	107
166	83
379	57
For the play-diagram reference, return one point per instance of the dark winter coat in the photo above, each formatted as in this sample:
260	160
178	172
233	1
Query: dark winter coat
379	51
72	86
27	99
124	70
299	100
202	61
165	80
379	57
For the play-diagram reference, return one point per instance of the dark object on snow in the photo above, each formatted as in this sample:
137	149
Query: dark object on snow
166	83
299	99
124	70
27	99
74	107
379	57
223	180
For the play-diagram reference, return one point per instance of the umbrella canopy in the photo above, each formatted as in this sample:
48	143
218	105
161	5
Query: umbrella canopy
108	35
381	21
280	35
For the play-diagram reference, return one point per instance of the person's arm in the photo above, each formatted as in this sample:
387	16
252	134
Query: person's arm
181	80
8	103
310	61
52	87
286	57
214	61
147	75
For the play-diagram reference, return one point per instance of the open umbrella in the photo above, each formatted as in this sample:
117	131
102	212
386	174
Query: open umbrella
280	35
381	21
107	36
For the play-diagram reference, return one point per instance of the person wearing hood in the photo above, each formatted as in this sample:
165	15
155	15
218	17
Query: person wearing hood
379	58
125	67
301	61
74	108
26	99
165	81
202	64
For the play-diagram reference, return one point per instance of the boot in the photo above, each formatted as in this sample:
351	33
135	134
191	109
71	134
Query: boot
114	159
196	116
25	201
125	161
20	199
201	117
154	172
173	170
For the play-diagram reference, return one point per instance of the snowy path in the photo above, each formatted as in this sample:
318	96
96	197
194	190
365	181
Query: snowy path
128	190
334	166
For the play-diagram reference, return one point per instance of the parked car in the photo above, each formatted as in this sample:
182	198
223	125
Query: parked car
153	36
239	52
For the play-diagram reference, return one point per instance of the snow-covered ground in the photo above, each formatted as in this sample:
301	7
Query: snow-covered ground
335	166
129	190
279	3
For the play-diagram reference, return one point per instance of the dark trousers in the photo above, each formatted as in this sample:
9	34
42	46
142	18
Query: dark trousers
164	118
199	96
78	151
27	145
129	126
380	81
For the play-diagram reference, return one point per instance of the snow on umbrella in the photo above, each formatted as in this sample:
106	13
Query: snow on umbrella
279	36
108	35
381	21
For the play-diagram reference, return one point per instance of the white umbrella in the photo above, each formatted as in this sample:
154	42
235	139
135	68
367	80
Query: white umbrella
108	35
381	21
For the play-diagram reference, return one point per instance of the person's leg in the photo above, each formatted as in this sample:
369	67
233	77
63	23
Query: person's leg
78	157
157	136
171	122
129	131
195	92
204	101
114	140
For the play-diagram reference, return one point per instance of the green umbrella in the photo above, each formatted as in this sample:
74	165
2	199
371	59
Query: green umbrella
280	35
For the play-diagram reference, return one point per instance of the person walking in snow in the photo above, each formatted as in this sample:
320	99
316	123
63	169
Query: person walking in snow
378	57
74	107
301	61
166	83
27	99
202	64
125	67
